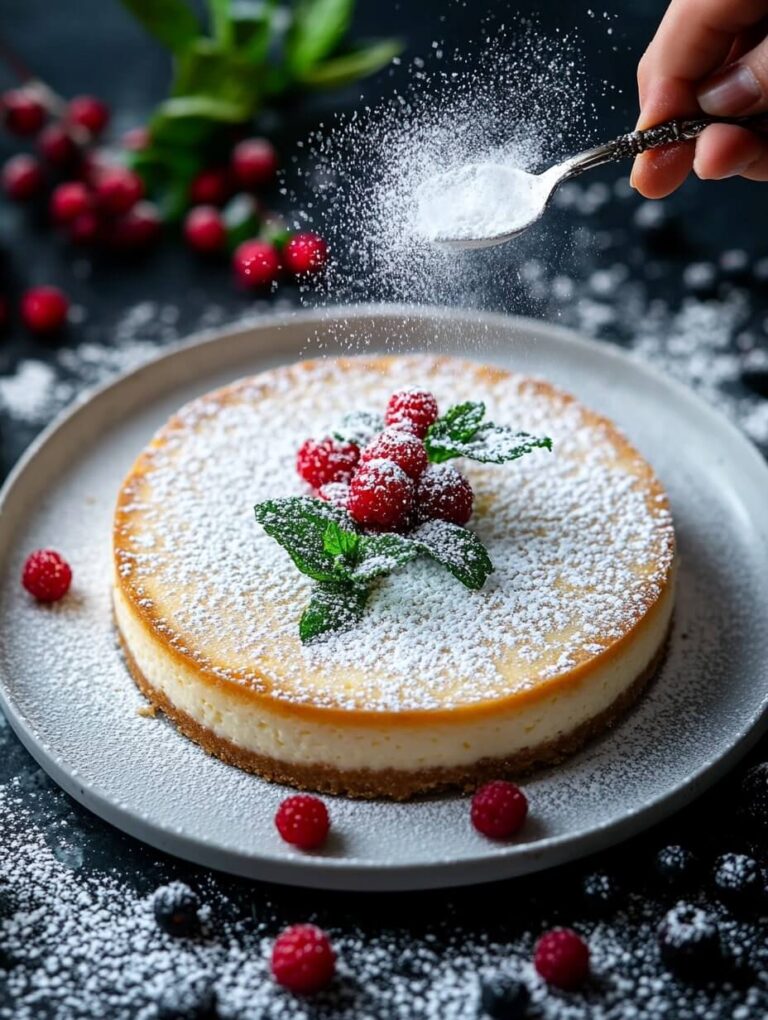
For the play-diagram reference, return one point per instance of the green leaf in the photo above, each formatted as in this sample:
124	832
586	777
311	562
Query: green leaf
340	542
379	555
359	62
318	27
332	607
252	28
460	551
299	525
171	22
359	427
221	21
461	432
213	82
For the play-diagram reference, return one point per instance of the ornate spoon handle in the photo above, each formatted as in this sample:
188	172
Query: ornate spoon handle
634	142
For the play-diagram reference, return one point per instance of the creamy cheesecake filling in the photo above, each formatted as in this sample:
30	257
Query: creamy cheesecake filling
407	743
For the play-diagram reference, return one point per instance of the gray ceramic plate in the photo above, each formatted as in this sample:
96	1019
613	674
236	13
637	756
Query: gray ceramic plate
66	693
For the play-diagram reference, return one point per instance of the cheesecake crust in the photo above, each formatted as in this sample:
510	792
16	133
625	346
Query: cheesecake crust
396	784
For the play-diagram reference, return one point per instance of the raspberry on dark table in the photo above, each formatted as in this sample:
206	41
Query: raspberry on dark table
303	959
561	957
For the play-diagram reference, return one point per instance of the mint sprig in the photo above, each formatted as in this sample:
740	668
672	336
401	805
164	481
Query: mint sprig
463	432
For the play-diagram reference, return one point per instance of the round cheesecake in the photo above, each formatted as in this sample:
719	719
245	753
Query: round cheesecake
436	685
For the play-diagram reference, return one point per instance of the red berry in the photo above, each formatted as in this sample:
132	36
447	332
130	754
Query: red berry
320	461
562	958
257	264
303	959
57	146
381	494
136	139
69	200
46	575
85	228
415	406
88	112
204	229
138	228
303	821
44	309
444	495
24	114
118	189
305	253
404	448
211	187
254	163
22	177
499	809
336	493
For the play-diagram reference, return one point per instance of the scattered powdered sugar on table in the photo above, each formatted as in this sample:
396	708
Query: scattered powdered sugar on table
565	586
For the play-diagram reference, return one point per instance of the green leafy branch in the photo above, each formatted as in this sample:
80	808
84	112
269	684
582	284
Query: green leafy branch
250	53
324	543
463	432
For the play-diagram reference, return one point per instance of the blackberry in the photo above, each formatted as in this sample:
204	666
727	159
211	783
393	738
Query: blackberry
192	1000
504	998
689	942
754	786
176	909
601	892
738	881
676	867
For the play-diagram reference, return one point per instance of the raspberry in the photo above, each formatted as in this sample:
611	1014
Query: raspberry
415	406
256	263
23	113
176	907
88	112
404	448
303	821
305	253
57	145
86	229
46	575
69	200
138	228
254	163
211	187
118	189
562	958
381	494
444	494
22	177
499	809
303	959
204	229
326	460
44	309
336	493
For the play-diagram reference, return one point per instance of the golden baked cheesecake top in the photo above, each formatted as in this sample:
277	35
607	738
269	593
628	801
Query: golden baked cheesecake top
581	540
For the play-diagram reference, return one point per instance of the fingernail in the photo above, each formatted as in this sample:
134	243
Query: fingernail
730	92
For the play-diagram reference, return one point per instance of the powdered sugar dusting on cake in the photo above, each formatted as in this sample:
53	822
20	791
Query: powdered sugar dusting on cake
581	546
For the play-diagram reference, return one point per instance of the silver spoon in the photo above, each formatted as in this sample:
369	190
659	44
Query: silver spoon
460	198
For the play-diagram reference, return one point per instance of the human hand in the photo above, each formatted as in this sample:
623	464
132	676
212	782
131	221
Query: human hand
709	55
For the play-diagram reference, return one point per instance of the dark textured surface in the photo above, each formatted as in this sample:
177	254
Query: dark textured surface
78	46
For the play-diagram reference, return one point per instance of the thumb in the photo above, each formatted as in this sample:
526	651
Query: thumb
739	88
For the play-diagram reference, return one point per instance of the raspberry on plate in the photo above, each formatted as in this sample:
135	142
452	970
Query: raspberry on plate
46	575
320	461
381	494
303	821
303	959
418	407
562	958
404	448
444	494
499	809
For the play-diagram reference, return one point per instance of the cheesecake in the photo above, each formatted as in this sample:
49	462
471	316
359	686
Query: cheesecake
435	685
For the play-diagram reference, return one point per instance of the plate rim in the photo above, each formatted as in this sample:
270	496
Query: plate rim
337	873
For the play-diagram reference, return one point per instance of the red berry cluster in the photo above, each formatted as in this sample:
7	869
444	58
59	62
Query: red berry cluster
389	483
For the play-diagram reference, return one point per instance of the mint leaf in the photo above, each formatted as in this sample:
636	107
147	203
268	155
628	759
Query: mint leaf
359	427
340	542
358	62
171	22
317	29
461	432
299	525
379	555
460	551
333	606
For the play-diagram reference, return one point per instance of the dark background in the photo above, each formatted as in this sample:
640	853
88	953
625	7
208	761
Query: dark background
94	46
